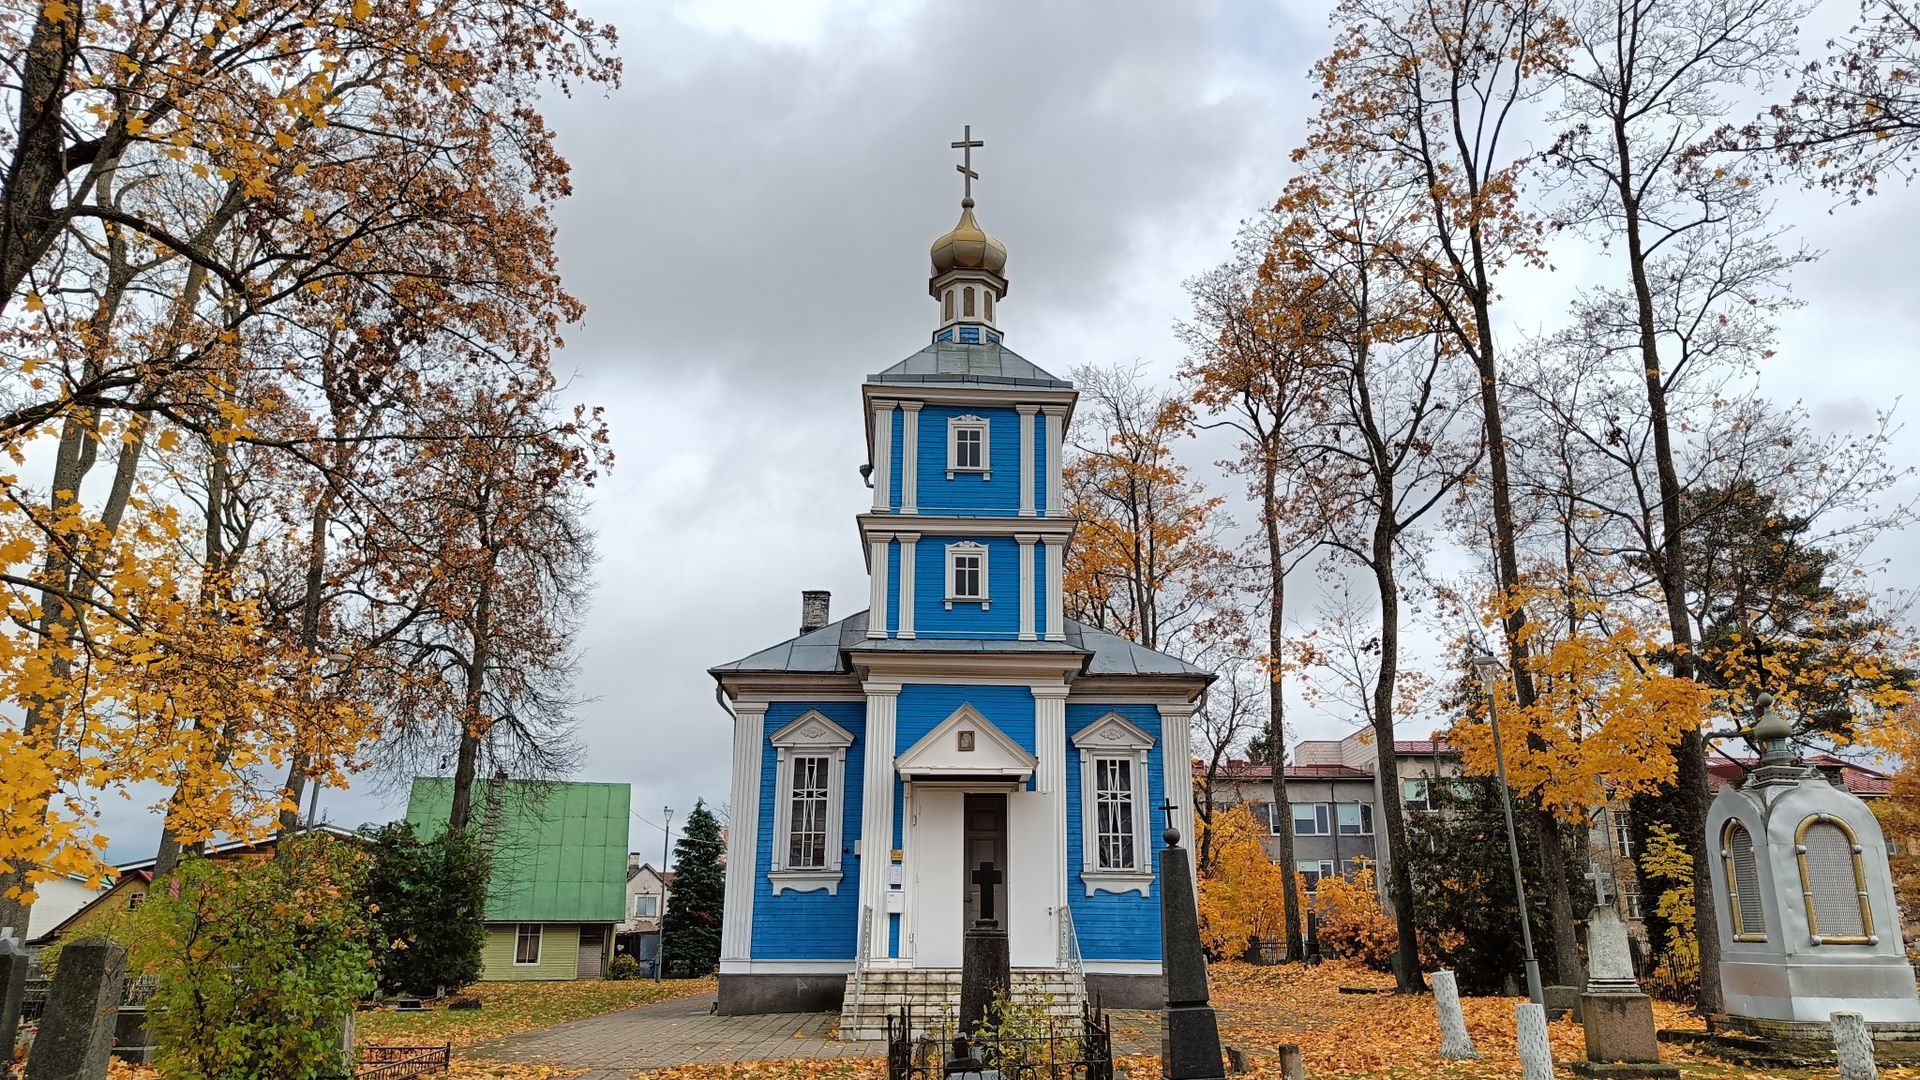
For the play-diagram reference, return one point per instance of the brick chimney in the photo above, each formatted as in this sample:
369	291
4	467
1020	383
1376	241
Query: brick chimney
813	609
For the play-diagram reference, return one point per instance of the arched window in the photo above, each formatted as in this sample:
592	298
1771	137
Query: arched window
946	308
1833	881
966	306
987	299
1743	883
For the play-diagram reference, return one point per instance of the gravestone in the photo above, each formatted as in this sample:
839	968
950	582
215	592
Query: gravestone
1853	1047
986	970
1189	1032
76	1035
1455	1043
1617	1017
13	985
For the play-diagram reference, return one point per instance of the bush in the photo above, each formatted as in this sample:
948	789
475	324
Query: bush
1351	922
624	967
257	962
429	899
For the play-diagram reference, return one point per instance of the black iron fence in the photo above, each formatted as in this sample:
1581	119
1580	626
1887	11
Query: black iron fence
398	1062
1053	1048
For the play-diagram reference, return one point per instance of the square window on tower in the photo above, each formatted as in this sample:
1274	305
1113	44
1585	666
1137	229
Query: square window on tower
966	574
967	449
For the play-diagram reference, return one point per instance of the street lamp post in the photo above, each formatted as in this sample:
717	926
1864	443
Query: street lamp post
660	945
1489	668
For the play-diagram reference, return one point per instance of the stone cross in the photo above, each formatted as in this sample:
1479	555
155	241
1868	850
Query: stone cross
1601	880
966	146
986	877
76	1036
13	985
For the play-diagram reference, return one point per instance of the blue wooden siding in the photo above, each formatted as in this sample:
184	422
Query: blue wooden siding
813	925
893	590
931	619
970	494
923	706
1116	926
896	450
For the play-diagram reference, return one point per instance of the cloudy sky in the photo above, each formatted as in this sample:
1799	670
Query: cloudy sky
749	231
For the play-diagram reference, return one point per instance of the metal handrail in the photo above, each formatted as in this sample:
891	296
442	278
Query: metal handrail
860	957
1070	950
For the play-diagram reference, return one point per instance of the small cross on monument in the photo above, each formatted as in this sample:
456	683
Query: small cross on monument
966	147
986	876
1601	880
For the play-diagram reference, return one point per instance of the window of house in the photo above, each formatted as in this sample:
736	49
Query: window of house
526	945
1414	794
1622	834
1115	856
1632	900
134	900
967	449
810	762
1356	819
1311	819
646	906
1312	871
967	574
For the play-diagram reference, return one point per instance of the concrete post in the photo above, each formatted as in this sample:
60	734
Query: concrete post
1536	1053
1455	1043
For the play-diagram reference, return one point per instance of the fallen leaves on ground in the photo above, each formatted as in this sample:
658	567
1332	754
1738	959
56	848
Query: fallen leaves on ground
507	1008
793	1069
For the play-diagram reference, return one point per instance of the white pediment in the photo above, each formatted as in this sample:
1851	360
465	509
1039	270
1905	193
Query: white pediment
965	744
812	730
1112	732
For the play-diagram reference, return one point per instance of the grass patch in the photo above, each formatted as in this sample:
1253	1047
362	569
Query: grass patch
507	1008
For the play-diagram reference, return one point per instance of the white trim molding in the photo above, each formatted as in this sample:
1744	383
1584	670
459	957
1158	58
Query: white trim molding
965	745
812	735
1056	587
969	422
1176	760
876	811
955	552
882	456
1026	457
736	926
1026	542
908	550
1056	431
1114	738
1050	740
910	457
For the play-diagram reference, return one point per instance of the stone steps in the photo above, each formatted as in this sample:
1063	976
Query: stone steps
933	997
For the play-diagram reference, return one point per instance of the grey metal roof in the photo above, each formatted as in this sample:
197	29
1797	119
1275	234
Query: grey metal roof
949	363
823	651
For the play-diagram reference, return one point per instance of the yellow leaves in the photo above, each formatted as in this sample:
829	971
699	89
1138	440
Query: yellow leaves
361	9
34	303
56	11
136	126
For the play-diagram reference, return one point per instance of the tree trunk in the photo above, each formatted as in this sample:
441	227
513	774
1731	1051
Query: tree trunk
1399	874
1692	788
28	225
1281	819
471	730
1565	961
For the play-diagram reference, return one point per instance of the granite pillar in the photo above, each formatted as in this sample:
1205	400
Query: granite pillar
1189	1032
13	984
76	1037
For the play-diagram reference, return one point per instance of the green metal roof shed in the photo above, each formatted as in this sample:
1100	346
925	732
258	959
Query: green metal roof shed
559	847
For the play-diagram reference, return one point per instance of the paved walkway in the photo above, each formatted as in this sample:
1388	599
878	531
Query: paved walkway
683	1031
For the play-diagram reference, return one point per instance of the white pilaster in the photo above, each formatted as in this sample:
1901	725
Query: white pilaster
910	457
1026	542
876	815
749	731
907	547
1176	760
1056	587
1050	745
882	456
877	574
1056	431
1026	458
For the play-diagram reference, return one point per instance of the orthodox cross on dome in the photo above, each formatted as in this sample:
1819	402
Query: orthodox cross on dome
966	146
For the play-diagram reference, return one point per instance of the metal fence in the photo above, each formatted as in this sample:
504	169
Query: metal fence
1063	1048
398	1062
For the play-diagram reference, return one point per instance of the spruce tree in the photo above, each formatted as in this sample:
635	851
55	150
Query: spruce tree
694	901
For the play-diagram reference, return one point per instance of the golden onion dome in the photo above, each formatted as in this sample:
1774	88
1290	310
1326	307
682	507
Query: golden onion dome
968	247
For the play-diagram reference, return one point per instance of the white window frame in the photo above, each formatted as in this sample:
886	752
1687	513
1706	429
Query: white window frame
638	914
1324	818
1323	867
1425	801
1621	828
1364	813
539	943
969	422
1632	902
954	552
810	735
1110	737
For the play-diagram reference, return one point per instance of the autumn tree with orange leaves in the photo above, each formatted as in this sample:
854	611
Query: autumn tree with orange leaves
232	238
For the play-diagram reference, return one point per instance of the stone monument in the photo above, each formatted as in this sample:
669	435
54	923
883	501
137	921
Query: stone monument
1189	1033
1618	1018
1804	898
76	1037
13	985
985	969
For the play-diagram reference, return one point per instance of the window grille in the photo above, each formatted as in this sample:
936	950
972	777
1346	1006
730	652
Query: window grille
1833	883
807	830
1113	800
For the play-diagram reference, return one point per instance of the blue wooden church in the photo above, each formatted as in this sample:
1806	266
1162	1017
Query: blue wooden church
960	719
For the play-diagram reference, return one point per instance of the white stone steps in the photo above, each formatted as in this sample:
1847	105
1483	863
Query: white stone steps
933	995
